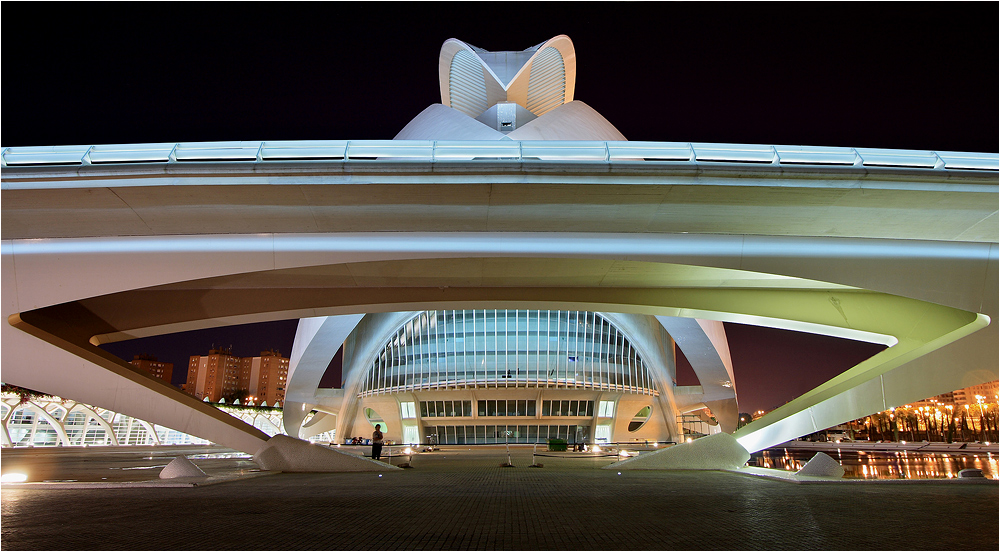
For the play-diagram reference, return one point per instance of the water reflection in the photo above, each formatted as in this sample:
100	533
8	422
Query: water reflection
859	464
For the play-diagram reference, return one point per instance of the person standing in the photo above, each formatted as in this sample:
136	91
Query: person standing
377	442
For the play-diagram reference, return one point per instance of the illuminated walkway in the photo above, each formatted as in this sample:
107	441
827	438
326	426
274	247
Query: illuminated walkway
453	501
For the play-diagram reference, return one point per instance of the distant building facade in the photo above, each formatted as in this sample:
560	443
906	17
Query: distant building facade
222	375
984	392
263	377
160	370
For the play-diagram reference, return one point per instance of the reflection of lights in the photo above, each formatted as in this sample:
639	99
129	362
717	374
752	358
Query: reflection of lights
623	454
597	448
13	478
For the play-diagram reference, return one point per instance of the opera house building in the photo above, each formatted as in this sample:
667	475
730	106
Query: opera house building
508	268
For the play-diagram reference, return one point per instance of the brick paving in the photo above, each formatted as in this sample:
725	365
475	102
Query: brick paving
463	500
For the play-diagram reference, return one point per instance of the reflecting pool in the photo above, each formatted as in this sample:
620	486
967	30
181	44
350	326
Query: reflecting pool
861	464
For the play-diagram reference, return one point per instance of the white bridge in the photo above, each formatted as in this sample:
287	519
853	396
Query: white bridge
110	242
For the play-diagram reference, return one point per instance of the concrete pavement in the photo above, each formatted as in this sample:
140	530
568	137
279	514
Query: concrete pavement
458	498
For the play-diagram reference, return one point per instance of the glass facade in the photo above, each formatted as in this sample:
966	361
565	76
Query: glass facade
498	434
458	349
51	422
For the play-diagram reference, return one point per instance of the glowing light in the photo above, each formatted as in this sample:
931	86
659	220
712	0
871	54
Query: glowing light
13	478
596	448
623	454
407	450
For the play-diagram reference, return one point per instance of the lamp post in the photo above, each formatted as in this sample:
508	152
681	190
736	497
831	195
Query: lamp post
951	423
982	414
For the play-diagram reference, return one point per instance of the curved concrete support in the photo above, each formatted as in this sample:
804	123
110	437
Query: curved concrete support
704	344
317	340
714	452
907	374
359	352
284	453
91	376
656	350
322	421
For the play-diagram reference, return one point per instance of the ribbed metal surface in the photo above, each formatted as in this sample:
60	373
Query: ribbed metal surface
467	84
458	349
547	82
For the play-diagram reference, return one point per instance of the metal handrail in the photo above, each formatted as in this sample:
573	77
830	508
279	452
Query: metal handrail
527	151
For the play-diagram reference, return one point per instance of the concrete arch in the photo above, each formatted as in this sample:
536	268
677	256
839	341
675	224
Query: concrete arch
92	414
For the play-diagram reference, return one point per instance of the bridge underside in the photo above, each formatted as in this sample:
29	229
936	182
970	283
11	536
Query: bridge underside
92	257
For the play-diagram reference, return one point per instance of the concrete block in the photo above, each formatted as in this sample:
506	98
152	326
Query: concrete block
181	467
715	452
284	453
822	465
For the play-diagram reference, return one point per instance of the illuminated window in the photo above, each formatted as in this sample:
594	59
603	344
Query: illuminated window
607	409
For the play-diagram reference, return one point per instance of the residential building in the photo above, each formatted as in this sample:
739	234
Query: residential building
161	370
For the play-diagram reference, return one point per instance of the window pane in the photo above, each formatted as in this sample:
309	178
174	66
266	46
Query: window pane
501	408
522	408
564	409
590	408
491	408
460	434
546	408
482	408
423	409
440	409
467	408
491	434
480	434
573	405
531	408
512	408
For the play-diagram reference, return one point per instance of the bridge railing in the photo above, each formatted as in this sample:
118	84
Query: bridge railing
500	151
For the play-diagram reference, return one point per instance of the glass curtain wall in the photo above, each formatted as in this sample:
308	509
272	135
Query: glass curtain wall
454	349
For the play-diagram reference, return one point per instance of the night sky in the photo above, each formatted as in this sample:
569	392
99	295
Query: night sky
900	75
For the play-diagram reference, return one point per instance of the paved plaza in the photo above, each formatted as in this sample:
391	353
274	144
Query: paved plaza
458	498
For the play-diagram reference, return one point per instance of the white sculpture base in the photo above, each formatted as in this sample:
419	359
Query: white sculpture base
181	467
283	453
715	452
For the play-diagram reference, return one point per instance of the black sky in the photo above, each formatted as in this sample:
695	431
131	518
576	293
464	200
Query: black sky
899	75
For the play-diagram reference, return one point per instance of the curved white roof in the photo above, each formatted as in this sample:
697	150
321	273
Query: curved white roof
540	78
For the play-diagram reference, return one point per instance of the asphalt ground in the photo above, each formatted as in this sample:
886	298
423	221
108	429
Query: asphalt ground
462	499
